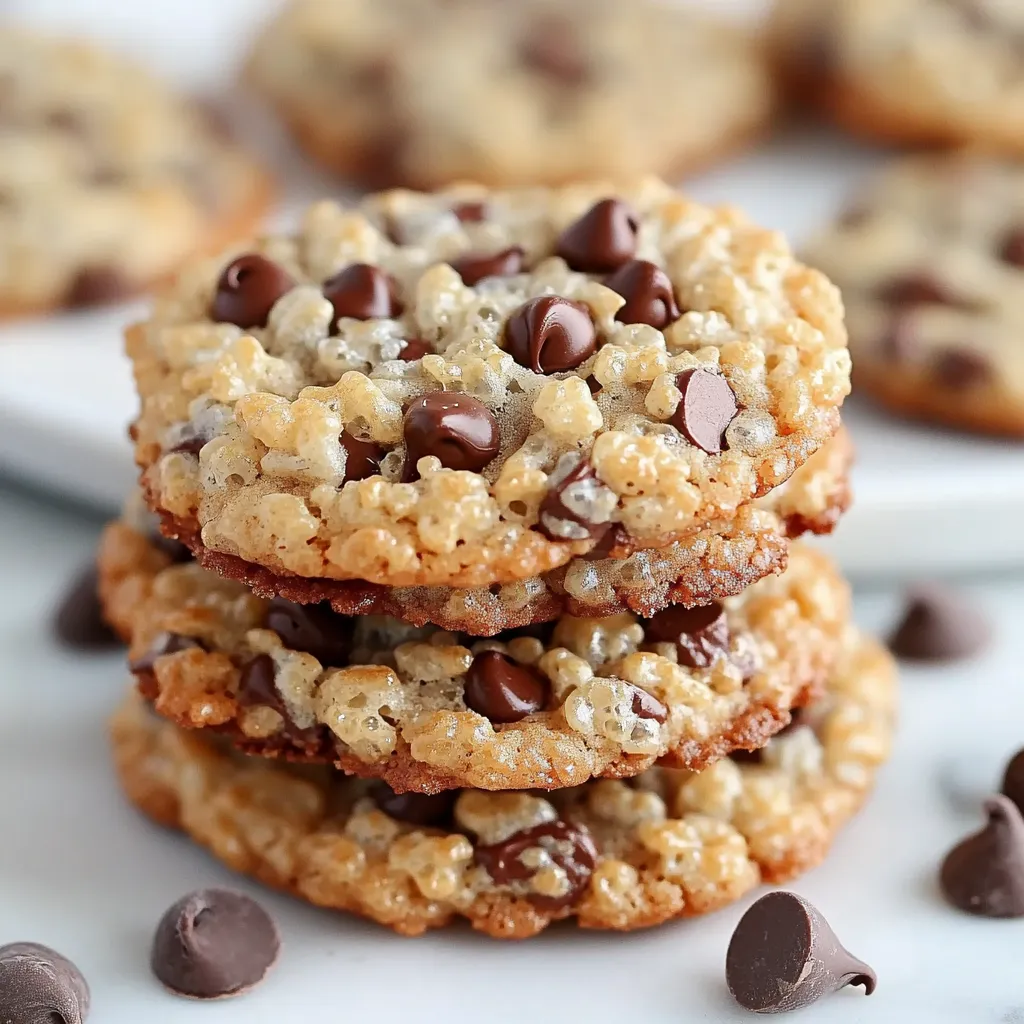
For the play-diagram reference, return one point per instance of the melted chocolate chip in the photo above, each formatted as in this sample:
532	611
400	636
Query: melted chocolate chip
362	292
706	409
95	286
550	334
247	290
959	369
162	645
701	635
313	628
917	290
570	509
502	691
602	239
474	267
39	986
470	212
1011	249
646	705
569	846
78	621
427	810
362	458
413	349
256	683
648	292
457	429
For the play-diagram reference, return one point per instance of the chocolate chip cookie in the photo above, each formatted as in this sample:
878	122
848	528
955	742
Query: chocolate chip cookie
108	180
418	94
426	709
353	403
930	258
918	72
612	854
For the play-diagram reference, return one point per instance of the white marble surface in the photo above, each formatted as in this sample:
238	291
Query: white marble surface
81	871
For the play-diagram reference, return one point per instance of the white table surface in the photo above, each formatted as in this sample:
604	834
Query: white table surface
83	872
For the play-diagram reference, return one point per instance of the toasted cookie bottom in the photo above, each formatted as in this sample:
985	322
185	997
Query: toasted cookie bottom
613	855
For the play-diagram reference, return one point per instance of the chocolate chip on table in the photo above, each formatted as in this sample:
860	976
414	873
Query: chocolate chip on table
162	645
413	349
95	286
572	509
647	289
457	429
959	369
783	955
314	628
1011	250
706	409
247	290
602	239
550	334
78	621
984	874
214	943
362	292
646	705
1013	780
939	624
502	691
701	634
427	810
39	986
362	458
569	846
474	267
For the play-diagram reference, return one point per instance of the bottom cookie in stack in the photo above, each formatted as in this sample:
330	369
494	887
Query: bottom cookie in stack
613	854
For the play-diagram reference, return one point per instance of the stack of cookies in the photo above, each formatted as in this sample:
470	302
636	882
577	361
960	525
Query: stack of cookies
472	587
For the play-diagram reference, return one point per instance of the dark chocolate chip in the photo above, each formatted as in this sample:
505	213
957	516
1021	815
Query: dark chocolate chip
1013	780
457	429
247	290
314	628
474	267
706	409
413	349
783	955
602	239
701	634
214	943
569	511
550	334
939	624
162	645
552	48
959	369
95	286
39	986
363	292
648	292
256	684
1011	250
502	691
470	212
78	621
984	874
646	705
917	290
192	440
593	384
362	458
427	810
569	846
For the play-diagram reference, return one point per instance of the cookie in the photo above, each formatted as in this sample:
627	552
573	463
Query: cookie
342	406
611	854
912	72
108	180
535	92
428	709
930	259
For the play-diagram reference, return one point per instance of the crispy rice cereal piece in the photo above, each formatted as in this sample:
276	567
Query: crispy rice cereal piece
611	854
452	434
427	709
108	180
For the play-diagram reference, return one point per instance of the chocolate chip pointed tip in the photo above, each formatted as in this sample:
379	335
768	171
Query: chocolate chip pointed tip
37	984
784	955
939	624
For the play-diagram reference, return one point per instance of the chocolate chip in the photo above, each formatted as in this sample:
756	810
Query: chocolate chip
457	429
247	290
470	212
39	986
173	549
214	943
593	384
574	507
701	634
1013	780
363	292
984	874
256	683
192	440
569	846
78	621
474	267
648	292
551	48
646	705
1011	250
95	286
313	628
939	625
602	239
502	691
362	458
427	810
706	409
917	290
959	369
550	334
162	645
783	955
413	349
